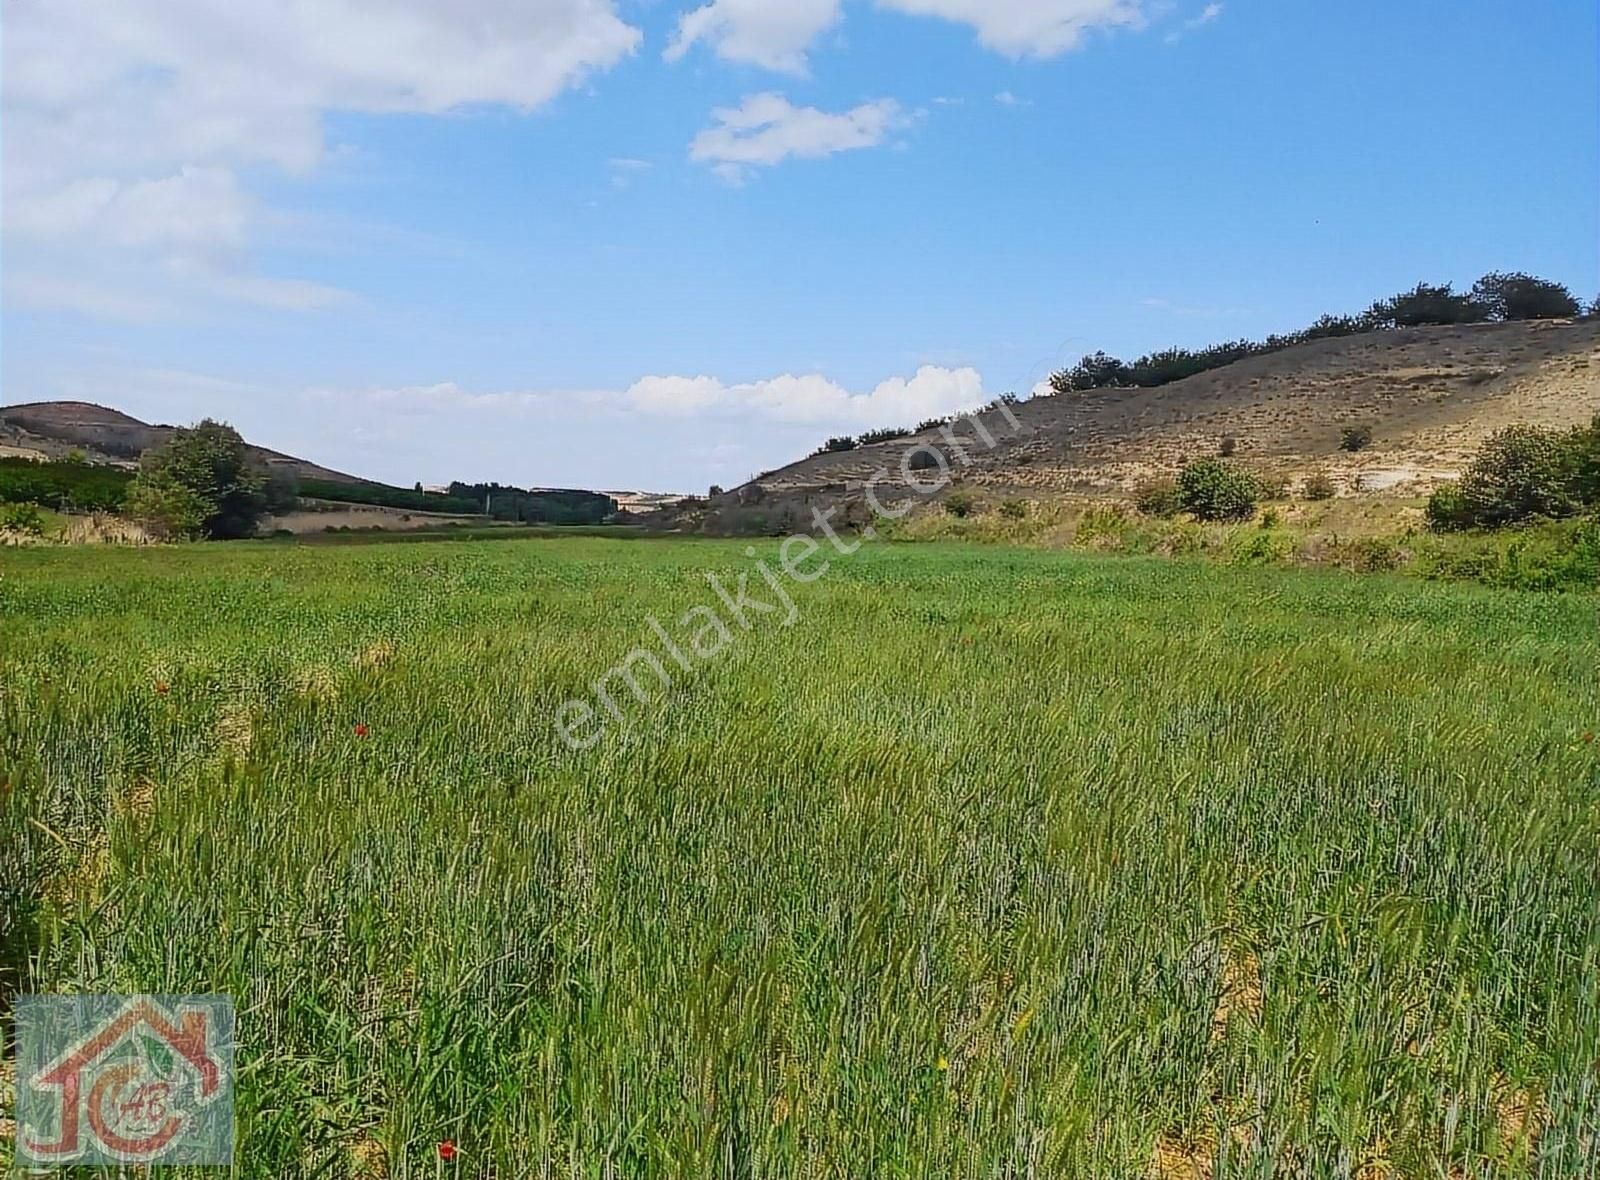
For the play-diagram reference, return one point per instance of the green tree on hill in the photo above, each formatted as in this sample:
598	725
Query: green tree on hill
1523	297
1427	304
198	485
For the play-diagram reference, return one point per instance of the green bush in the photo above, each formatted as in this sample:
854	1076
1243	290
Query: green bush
1014	509
1229	447
836	446
21	518
1521	473
1158	498
1427	304
1447	510
1523	297
1214	490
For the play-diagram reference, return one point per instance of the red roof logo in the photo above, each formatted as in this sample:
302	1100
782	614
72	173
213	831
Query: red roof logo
128	1088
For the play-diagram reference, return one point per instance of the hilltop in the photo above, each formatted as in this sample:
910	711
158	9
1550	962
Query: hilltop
54	429
1430	394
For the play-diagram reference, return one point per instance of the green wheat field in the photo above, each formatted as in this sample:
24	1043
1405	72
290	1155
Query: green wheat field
993	864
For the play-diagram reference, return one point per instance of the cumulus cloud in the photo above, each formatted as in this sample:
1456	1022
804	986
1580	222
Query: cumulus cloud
814	399
774	34
766	129
127	125
1029	28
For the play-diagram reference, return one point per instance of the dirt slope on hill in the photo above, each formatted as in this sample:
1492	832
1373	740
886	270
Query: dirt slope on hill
1430	394
53	429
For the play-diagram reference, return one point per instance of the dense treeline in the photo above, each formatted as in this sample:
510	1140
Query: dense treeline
1495	298
542	506
384	496
66	485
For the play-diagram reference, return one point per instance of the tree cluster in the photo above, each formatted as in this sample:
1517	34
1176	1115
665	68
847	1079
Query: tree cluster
540	506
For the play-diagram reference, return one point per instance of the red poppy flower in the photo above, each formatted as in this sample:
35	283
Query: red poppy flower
447	1151
162	688
361	731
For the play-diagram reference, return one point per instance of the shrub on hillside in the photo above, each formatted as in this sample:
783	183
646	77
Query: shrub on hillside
1014	509
1523	297
1427	304
836	446
1098	370
1215	491
1229	447
1158	498
1521	473
1355	438
888	434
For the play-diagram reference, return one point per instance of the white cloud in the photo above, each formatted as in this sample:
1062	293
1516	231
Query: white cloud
814	399
1207	15
1006	99
127	125
767	129
1029	28
774	34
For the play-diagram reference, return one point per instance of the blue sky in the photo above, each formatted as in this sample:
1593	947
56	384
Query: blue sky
661	245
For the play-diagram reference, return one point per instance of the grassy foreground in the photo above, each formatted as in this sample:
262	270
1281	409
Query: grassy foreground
995	863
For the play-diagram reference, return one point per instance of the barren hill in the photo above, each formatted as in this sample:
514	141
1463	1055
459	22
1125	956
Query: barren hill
1430	394
52	429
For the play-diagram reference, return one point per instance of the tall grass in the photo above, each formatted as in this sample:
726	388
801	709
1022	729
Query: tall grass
999	863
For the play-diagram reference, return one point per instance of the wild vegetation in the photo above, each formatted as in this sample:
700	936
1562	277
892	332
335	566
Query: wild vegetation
1307	530
1114	879
1522	474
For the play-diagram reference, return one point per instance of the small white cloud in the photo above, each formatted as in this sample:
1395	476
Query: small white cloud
1029	28
1207	15
1006	99
767	129
774	34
